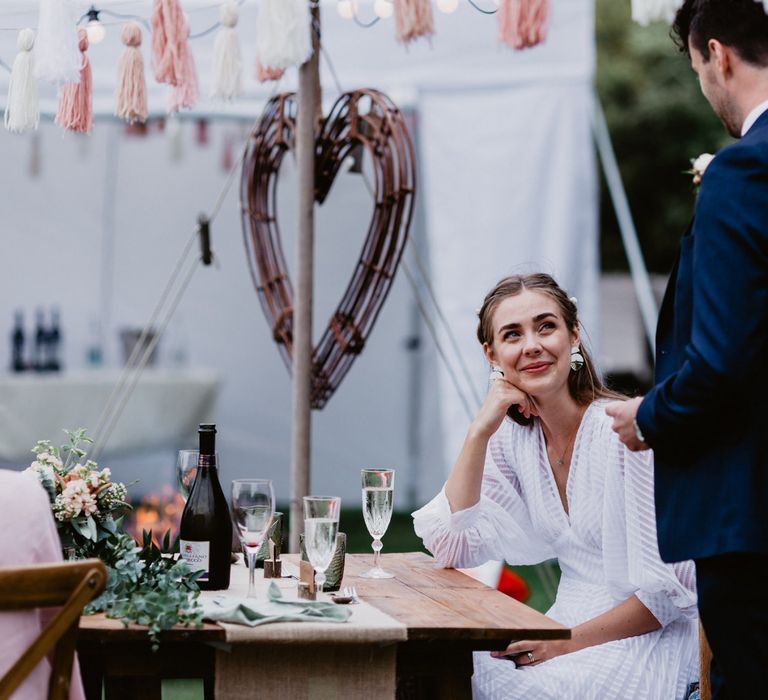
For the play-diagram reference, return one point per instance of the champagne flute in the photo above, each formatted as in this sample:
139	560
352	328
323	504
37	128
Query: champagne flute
186	470
321	523
378	486
253	506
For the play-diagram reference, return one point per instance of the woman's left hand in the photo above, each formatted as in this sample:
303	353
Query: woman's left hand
532	653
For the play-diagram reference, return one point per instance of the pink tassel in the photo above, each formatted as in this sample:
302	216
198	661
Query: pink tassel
131	84
266	73
75	111
184	95
413	18
169	42
523	23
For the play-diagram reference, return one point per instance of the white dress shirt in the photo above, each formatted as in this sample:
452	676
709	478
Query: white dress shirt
753	116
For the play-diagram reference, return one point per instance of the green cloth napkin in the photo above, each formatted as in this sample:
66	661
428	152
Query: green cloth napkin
252	611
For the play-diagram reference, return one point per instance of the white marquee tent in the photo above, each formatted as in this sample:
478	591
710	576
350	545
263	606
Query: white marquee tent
507	183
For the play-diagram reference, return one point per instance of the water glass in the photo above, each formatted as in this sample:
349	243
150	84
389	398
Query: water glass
321	523
253	506
378	487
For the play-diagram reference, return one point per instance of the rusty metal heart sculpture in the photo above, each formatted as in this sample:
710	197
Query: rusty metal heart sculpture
362	119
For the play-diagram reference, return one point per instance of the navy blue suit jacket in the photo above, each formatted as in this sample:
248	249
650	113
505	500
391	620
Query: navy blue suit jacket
706	418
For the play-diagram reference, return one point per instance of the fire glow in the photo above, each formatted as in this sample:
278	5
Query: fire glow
157	512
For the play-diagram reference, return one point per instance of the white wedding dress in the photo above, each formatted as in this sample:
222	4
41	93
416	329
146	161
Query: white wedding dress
607	550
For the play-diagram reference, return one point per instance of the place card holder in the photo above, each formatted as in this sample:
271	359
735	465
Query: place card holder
273	567
307	589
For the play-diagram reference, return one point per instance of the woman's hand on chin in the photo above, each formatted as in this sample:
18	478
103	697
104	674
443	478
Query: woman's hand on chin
501	395
532	653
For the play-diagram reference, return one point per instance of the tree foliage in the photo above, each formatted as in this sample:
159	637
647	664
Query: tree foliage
658	121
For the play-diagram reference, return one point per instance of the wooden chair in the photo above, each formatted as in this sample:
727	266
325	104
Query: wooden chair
705	658
70	585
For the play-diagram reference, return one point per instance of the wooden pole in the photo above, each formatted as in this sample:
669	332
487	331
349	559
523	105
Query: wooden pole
301	427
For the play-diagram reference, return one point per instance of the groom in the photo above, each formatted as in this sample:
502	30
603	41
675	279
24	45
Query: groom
706	418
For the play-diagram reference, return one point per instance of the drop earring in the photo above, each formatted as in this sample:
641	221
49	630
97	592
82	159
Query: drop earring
577	359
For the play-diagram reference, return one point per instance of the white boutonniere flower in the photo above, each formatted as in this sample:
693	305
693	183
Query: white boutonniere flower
699	166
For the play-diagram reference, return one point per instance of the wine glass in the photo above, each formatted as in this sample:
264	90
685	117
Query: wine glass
186	470
321	523
378	485
253	506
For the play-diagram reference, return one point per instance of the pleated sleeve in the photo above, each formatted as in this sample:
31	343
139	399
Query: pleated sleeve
630	548
497	527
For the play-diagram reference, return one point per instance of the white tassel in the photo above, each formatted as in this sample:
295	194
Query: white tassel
646	11
227	61
57	57
765	4
22	111
283	33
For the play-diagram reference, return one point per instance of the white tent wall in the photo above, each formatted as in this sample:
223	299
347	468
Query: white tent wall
531	208
507	179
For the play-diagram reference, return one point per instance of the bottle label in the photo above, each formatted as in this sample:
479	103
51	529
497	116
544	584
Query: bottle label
196	554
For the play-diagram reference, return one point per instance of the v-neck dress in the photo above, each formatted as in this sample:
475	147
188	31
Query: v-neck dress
607	550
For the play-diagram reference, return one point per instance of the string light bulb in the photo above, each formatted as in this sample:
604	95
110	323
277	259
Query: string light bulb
93	27
447	6
383	8
346	8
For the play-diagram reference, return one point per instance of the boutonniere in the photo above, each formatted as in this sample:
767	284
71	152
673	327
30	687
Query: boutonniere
698	168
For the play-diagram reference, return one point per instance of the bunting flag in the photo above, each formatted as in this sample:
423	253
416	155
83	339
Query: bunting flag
170	32
413	18
184	95
283	33
22	111
56	57
75	111
523	23
227	61
131	94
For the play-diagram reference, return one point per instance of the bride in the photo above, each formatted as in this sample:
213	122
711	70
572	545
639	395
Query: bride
542	475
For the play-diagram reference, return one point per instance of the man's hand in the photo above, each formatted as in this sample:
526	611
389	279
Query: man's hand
623	414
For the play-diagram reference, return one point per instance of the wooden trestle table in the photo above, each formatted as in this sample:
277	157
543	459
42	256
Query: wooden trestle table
411	637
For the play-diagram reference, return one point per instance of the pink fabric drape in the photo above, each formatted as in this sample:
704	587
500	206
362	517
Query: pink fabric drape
29	537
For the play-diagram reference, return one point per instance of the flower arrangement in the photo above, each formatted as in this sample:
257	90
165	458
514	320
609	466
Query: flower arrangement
86	504
146	584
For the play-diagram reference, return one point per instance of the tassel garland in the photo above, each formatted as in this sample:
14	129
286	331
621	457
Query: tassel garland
22	111
56	58
283	33
646	11
169	42
131	95
227	61
75	111
266	74
413	18
184	95
523	24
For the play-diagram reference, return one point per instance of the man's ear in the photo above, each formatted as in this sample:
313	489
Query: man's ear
722	58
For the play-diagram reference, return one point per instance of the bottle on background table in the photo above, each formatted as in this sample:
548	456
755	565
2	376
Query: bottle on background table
17	342
53	360
39	351
205	534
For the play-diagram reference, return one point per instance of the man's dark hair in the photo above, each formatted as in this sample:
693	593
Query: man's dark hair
739	24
